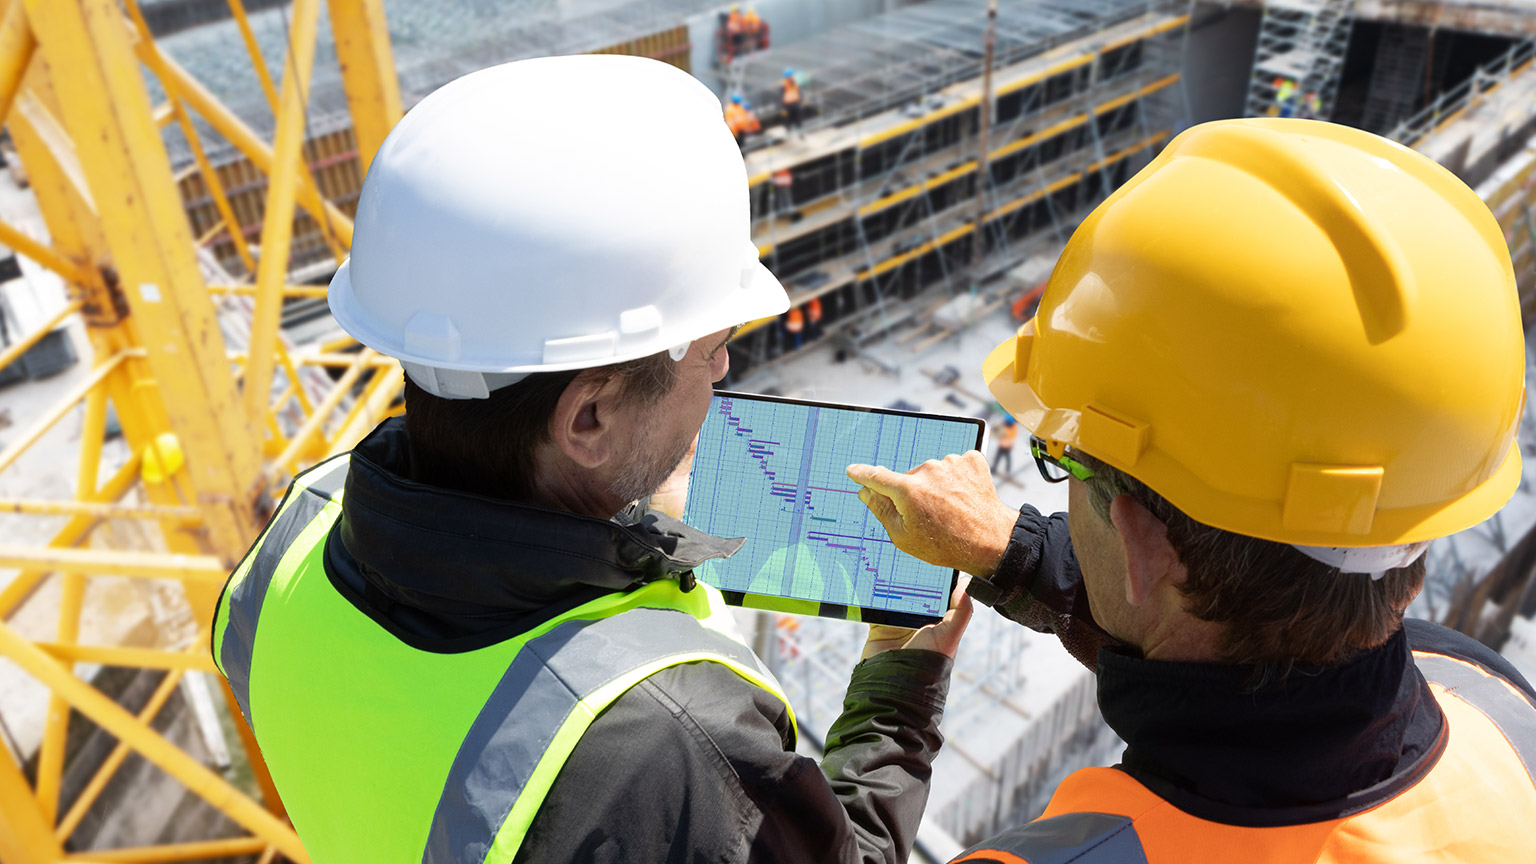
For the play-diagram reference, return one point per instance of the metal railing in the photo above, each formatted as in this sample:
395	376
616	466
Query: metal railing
1451	104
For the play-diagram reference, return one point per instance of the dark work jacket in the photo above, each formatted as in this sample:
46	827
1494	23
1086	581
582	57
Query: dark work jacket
694	764
1319	744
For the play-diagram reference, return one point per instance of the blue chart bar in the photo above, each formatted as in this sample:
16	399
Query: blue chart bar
773	472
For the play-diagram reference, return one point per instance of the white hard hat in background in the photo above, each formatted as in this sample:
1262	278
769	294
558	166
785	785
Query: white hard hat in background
551	214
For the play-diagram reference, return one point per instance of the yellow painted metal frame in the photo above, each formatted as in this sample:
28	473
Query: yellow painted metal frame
73	99
1014	146
944	239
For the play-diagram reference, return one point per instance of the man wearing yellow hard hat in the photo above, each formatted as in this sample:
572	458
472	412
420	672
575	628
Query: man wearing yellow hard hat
1273	367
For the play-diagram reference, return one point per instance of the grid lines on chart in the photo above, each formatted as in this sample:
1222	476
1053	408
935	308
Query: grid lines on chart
773	472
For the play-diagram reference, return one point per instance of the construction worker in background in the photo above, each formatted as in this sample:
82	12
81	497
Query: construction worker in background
1273	366
735	31
783	190
1313	106
754	31
813	318
740	120
1285	96
469	639
794	327
1006	437
789	96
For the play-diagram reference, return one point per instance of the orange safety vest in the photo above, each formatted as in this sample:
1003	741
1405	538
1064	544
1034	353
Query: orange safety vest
733	23
791	89
1477	804
751	23
794	320
813	310
740	119
1006	435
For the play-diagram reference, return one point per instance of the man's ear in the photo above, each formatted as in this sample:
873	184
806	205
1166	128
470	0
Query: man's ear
581	426
1149	558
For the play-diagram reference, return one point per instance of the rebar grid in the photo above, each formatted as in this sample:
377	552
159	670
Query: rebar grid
880	63
433	44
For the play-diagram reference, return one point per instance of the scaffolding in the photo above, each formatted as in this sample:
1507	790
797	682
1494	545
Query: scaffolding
1484	130
877	201
1299	58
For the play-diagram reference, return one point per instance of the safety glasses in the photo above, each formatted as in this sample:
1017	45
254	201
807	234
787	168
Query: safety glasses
1054	469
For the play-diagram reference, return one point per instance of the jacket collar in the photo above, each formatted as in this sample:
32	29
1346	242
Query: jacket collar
459	558
1297	750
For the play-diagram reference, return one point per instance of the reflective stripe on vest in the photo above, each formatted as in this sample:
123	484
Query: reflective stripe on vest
1498	701
455	772
247	587
1476	804
548	681
1101	838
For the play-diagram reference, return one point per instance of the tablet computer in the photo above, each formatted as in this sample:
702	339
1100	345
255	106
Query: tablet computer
772	470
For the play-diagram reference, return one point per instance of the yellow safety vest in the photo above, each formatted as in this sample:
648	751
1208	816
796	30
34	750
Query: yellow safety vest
385	752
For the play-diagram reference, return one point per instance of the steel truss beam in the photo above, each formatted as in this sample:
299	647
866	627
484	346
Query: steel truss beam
206	453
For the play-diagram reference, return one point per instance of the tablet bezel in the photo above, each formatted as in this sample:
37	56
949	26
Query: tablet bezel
864	614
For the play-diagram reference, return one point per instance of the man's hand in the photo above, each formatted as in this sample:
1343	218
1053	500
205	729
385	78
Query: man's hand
945	512
943	637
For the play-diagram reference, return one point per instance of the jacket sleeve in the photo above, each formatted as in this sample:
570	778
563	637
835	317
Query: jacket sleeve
864	801
879	753
695	764
1039	584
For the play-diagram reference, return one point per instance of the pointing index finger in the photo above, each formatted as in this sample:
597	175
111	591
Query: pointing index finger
882	480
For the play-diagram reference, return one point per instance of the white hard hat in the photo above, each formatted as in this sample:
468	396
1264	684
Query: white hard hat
552	214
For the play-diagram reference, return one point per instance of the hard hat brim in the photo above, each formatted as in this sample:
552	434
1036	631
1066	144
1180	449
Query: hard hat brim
1240	514
762	296
759	294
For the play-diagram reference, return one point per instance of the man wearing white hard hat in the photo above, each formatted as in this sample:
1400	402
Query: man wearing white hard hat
468	640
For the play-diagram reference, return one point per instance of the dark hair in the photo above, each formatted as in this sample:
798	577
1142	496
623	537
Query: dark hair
486	446
1278	607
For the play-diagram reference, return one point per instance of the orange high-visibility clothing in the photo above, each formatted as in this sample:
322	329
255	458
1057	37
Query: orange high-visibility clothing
750	22
791	90
1006	435
1475	804
794	320
813	310
733	23
740	120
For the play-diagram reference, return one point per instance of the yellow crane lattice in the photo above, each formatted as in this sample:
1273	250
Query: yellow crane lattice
208	451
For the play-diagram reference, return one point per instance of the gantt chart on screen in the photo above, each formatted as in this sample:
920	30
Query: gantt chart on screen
773	473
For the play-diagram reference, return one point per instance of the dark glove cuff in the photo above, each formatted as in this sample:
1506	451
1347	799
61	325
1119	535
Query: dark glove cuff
1016	570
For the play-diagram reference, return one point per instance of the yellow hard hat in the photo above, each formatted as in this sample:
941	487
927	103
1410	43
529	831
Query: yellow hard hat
161	458
1289	329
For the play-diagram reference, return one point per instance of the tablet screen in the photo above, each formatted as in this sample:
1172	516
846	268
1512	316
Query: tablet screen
772	470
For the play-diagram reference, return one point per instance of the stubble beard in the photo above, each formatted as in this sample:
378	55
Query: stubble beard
645	473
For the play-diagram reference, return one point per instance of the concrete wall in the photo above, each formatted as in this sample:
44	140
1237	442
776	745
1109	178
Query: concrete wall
1218	61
